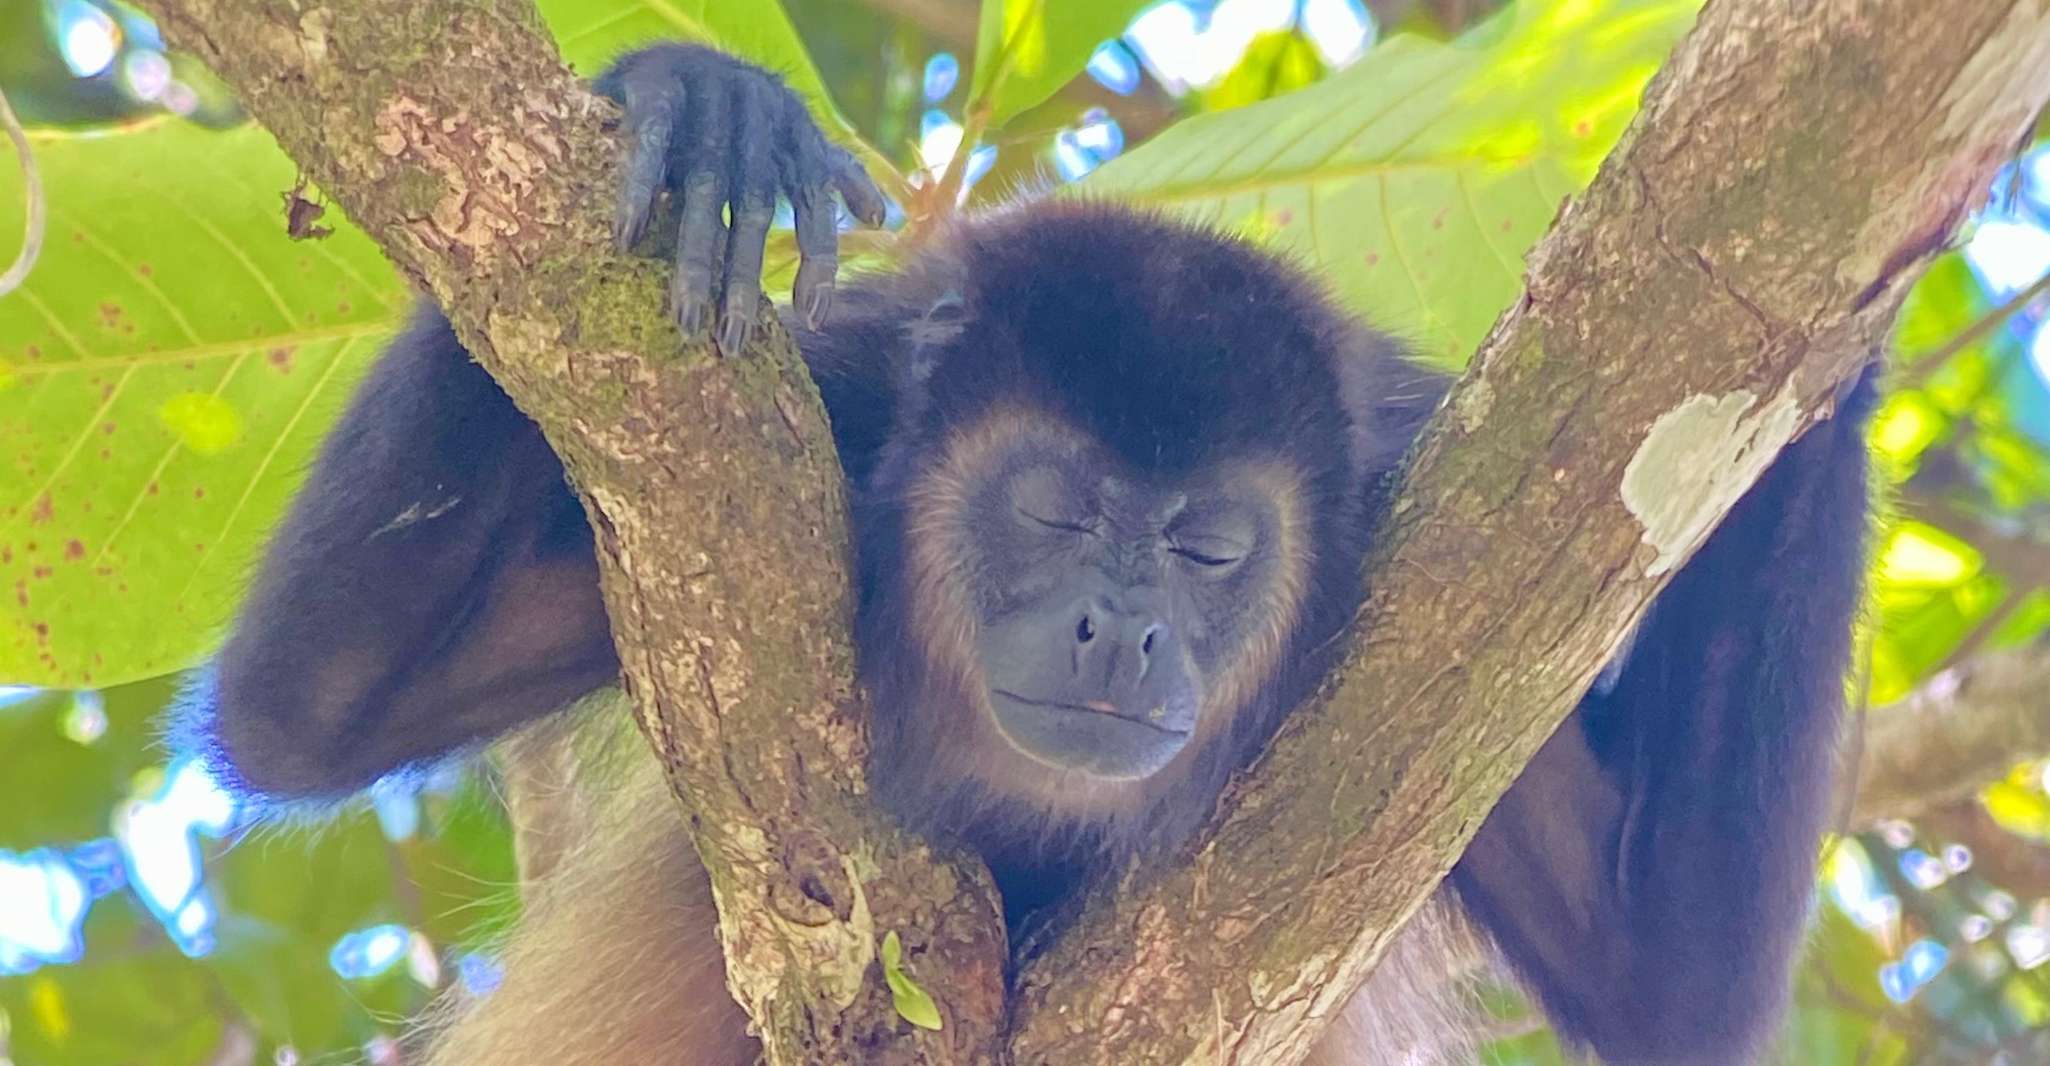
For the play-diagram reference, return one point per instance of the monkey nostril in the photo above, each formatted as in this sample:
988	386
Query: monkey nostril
1146	646
1085	630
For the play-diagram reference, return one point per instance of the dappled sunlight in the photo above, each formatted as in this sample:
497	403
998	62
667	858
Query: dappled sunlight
42	907
159	837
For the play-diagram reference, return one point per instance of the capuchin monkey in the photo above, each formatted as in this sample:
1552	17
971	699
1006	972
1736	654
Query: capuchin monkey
1112	478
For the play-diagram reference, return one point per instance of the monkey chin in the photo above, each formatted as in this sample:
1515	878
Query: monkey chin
1097	739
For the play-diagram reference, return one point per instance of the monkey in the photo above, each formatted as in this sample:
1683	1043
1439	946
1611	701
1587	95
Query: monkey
1112	479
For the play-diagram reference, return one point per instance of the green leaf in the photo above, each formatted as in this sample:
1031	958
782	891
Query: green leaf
165	377
286	896
1416	179
592	33
61	784
1275	64
134	1000
1025	50
913	1004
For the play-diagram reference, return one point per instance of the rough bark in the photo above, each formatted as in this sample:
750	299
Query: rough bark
452	133
1962	730
1794	168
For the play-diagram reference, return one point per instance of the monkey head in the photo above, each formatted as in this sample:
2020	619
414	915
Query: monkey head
1118	524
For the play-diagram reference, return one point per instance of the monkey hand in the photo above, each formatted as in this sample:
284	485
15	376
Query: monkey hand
714	131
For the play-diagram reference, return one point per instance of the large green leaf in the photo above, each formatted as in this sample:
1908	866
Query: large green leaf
1025	50
592	33
165	376
1417	179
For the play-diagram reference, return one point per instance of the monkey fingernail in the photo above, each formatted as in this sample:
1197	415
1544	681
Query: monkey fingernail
733	334
690	314
820	304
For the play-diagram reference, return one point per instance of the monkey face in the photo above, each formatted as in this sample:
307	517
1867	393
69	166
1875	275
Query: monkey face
1101	623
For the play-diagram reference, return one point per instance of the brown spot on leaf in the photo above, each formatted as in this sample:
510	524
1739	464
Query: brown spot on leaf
74	549
110	314
199	494
39	513
281	358
144	269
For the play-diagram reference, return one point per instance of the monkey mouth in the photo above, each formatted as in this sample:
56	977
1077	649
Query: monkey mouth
1100	709
1081	738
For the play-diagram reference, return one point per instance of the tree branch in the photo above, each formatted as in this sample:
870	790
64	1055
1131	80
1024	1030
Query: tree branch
450	131
1962	730
1793	170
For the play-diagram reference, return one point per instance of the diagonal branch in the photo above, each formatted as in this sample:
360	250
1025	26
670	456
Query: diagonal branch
1794	168
1962	730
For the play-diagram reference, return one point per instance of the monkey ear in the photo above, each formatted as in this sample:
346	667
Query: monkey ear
1388	396
433	585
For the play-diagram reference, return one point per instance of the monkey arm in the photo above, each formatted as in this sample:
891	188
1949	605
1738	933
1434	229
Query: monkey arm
434	583
1648	875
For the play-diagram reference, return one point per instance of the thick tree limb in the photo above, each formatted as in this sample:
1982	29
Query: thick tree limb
1795	167
451	132
1962	730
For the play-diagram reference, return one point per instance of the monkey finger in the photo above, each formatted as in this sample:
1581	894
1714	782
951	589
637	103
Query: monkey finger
653	106
864	200
751	220
701	226
808	182
818	249
755	180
